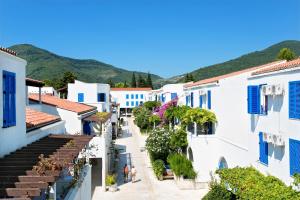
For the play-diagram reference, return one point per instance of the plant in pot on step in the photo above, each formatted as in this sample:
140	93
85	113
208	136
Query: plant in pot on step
111	182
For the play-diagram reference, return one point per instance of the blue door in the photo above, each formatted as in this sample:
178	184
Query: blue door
86	128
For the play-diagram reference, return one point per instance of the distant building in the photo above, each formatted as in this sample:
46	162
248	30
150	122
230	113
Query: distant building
128	98
44	90
169	92
94	94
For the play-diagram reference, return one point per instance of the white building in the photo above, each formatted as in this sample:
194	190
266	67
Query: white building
169	92
128	98
72	113
44	90
234	140
94	94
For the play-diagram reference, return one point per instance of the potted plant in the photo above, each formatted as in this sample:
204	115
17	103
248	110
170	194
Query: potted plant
111	182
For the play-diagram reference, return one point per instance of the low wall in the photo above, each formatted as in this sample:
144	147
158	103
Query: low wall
84	190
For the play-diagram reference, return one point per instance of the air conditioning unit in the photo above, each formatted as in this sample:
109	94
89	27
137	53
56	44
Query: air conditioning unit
270	138
202	92
269	90
265	137
279	141
278	89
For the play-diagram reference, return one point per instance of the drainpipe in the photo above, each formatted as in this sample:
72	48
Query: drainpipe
40	95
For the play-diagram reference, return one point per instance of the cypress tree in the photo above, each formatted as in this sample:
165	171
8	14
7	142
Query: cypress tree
141	81
133	81
149	81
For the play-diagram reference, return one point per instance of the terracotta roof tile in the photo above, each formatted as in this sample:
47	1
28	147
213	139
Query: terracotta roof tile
287	65
36	118
8	51
131	89
217	78
63	103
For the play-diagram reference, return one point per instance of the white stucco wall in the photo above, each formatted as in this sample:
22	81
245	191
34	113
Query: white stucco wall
120	97
14	137
166	90
277	122
90	91
44	90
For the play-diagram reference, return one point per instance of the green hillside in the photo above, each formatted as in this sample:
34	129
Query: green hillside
249	60
43	65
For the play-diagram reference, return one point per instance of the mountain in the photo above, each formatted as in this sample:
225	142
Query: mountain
42	65
246	61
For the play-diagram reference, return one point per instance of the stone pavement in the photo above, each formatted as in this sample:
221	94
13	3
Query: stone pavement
147	187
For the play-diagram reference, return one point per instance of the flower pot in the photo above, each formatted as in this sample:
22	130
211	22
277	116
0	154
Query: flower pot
113	188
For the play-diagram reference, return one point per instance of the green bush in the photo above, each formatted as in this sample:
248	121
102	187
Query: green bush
110	180
178	140
158	168
218	192
248	183
150	105
158	144
181	166
142	116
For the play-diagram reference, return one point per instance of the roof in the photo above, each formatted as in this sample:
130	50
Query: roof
33	82
131	89
8	51
217	78
98	117
283	66
79	108
20	178
37	119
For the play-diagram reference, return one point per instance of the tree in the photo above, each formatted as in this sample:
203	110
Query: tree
68	77
188	78
286	54
110	82
149	81
133	81
125	84
141	82
120	85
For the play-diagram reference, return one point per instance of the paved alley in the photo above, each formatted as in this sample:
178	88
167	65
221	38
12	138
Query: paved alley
147	186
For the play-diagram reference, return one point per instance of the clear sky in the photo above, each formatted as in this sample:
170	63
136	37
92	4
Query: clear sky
161	36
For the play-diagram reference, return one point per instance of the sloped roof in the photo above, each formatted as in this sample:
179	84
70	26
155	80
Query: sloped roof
33	82
35	119
287	65
217	78
131	89
8	51
79	108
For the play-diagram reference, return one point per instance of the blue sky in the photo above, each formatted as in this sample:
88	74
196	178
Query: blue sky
164	37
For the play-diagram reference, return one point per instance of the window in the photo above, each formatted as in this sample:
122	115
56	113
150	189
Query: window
294	156
201	101
263	150
132	96
192	99
253	99
127	103
136	103
127	96
80	97
9	99
132	103
209	99
163	99
136	96
101	97
142	96
294	100
187	98
173	95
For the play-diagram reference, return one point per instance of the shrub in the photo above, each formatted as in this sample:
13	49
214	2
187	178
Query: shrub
178	140
158	168
110	180
218	192
150	105
154	119
158	144
142	118
181	166
248	183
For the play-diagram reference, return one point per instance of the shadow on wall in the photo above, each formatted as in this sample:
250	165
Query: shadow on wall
278	151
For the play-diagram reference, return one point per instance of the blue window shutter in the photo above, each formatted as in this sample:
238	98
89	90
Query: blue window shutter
200	101
104	97
173	95
80	97
127	96
263	149
142	96
253	99
98	97
294	156
294	99
209	99
13	99
5	76
136	103
186	100
136	96
9	99
132	96
192	99
127	103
